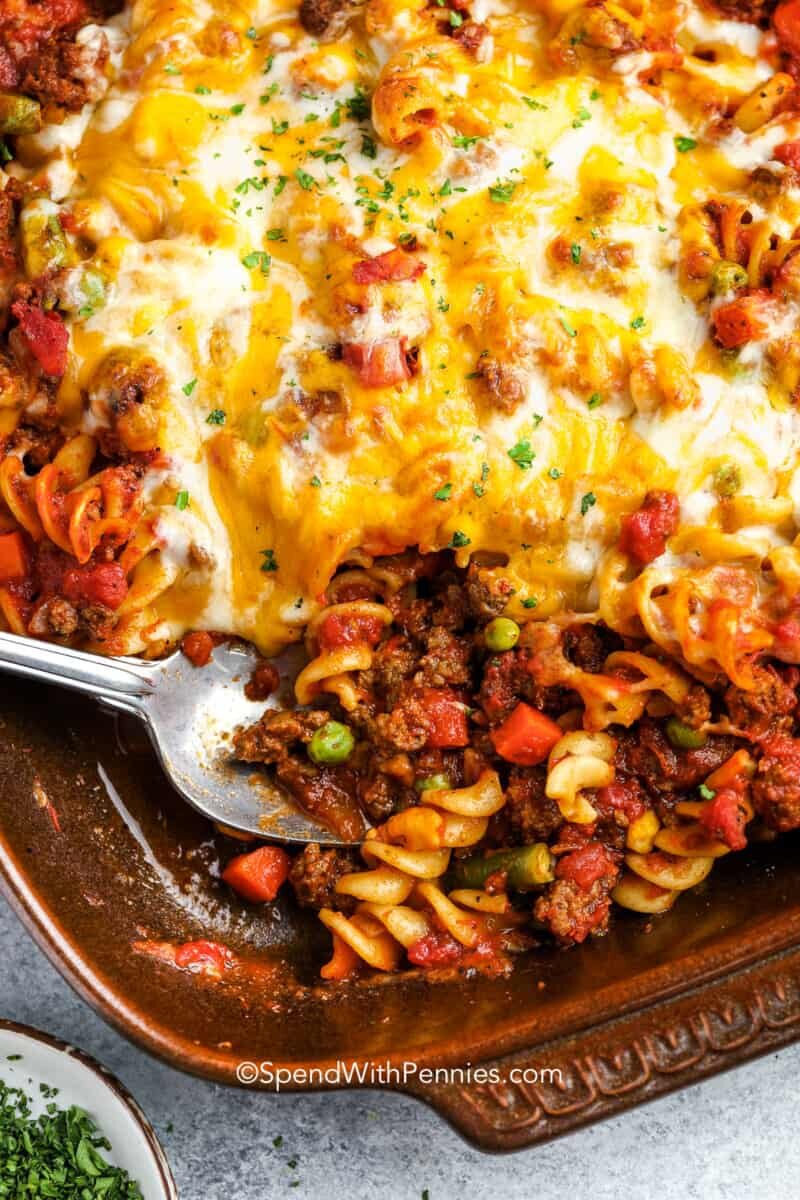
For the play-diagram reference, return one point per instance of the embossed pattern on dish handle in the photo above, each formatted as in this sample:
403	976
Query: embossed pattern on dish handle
612	1067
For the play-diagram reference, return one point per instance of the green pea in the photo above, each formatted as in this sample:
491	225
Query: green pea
501	634
433	783
19	114
683	737
727	277
333	743
727	480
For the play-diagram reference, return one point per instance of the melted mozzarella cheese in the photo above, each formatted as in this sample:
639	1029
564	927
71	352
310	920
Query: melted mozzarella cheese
231	185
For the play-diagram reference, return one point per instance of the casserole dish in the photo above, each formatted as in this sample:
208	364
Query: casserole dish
624	1018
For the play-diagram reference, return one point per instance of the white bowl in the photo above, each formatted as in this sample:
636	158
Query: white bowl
82	1081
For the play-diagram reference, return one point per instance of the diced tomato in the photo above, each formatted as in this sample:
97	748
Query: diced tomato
526	737
725	819
394	266
14	563
436	949
447	719
198	648
378	364
623	797
258	875
745	319
340	630
644	533
203	958
586	865
787	641
788	153
8	70
786	22
45	335
104	583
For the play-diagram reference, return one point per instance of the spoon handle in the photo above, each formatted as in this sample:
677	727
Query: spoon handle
122	683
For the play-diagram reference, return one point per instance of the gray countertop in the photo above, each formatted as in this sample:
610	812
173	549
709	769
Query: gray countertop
730	1138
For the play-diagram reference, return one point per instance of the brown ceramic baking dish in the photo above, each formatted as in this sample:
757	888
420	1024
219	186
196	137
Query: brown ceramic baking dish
648	1008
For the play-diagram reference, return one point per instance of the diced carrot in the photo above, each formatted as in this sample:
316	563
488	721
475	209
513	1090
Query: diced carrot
13	557
343	962
258	876
526	737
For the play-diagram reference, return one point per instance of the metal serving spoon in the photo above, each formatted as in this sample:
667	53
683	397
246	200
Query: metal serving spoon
190	714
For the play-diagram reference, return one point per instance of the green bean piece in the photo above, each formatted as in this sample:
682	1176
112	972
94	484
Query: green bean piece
526	867
333	743
433	783
727	277
501	634
19	114
683	737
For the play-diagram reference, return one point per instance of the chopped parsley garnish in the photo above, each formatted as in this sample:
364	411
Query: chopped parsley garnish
202	90
707	793
575	253
459	540
444	492
182	501
275	235
536	105
588	501
258	258
369	147
581	117
251	33
270	563
522	455
171	69
237	109
305	180
594	400
568	329
463	142
637	322
57	1154
554	473
316	481
279	127
594	94
501	193
683	144
358	106
455	19
189	387
531	602
216	417
280	184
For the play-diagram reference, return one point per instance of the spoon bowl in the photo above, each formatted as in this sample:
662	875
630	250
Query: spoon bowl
191	714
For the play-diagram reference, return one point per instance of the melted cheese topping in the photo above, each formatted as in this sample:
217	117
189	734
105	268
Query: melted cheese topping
232	175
